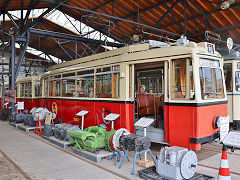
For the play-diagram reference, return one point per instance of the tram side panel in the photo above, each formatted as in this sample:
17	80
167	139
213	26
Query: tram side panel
191	126
67	110
236	109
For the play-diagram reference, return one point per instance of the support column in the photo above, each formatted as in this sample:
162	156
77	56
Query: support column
12	72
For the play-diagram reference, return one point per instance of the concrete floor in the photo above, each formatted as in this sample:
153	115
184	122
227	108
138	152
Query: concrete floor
39	159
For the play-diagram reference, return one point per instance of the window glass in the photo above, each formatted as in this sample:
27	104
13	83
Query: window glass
211	83
26	90
192	90
68	85
29	89
46	86
21	90
107	82
55	85
237	80
85	83
40	88
37	88
152	80
179	78
228	76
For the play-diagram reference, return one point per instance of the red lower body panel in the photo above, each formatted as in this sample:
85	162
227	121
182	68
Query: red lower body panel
185	123
67	110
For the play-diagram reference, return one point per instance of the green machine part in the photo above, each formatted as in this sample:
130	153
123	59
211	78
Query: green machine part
91	139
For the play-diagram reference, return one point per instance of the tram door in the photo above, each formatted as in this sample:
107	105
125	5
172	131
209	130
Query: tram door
149	98
228	74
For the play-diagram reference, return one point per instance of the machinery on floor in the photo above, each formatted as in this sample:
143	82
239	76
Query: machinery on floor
176	163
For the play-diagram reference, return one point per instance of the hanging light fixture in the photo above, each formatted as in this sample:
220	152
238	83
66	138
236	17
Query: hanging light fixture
226	4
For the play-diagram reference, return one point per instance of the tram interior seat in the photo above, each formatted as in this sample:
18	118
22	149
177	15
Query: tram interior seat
104	95
148	105
68	95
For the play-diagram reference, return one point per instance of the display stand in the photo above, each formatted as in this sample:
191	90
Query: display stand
112	117
232	140
144	123
82	114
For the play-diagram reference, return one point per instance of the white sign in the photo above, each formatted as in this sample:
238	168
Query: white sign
232	139
229	44
224	127
144	122
20	105
82	113
112	117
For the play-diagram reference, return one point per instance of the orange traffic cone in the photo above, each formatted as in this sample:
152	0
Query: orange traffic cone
224	173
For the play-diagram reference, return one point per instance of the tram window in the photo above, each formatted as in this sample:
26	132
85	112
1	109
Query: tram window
55	86
211	83
37	88
107	82
21	90
237	80
179	80
228	76
85	83
152	80
29	89
40	88
68	84
26	90
46	85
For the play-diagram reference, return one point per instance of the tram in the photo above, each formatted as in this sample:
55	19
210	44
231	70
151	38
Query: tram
180	87
28	90
232	81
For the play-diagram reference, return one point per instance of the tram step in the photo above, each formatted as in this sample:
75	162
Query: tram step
150	173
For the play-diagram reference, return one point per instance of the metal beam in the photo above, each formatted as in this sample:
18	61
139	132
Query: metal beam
38	32
100	29
12	70
121	19
13	21
55	5
218	30
199	15
21	56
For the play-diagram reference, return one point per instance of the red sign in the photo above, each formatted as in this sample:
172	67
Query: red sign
10	96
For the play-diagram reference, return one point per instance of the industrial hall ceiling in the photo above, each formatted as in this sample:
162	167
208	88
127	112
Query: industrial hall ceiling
122	21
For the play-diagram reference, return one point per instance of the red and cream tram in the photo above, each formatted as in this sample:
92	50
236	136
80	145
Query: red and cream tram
232	81
183	90
28	91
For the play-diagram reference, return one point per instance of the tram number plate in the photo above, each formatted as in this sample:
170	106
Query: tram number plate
224	127
232	139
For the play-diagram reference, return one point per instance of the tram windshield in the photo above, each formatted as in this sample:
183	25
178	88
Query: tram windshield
211	80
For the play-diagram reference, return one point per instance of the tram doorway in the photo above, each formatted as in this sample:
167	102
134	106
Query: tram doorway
149	98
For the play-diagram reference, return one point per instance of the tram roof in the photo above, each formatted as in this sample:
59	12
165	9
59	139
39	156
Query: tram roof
166	15
113	56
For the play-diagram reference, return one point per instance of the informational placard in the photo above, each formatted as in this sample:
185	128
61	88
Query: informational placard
10	96
232	139
144	122
20	105
48	119
224	127
112	117
82	113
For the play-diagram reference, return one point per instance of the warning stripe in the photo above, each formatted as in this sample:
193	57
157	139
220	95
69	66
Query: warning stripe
223	177
224	163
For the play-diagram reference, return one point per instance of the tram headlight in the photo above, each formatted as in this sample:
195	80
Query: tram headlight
217	122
